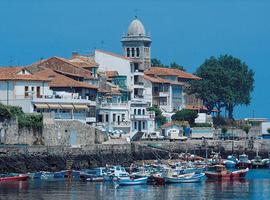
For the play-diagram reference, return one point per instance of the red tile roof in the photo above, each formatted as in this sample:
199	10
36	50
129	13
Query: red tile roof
11	73
64	66
111	74
59	80
156	79
159	71
84	61
169	124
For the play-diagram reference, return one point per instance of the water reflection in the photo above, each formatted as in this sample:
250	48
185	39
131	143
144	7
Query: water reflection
249	188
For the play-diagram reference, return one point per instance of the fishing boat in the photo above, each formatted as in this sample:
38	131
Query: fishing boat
115	173
95	179
60	174
11	178
220	172
184	178
157	178
244	162
231	161
132	181
257	162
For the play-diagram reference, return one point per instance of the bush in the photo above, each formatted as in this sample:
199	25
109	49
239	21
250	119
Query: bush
224	130
246	128
268	130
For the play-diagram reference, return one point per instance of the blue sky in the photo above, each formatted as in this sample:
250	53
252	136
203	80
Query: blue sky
184	31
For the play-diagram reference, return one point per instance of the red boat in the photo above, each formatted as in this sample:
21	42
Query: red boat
221	172
21	177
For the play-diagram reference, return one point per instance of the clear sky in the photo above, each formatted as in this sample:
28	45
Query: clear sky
185	31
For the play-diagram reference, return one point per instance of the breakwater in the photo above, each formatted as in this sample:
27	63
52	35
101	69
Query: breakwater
23	159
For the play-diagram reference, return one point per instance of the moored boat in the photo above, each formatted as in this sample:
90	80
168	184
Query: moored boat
184	178
244	162
8	178
132	181
221	172
257	162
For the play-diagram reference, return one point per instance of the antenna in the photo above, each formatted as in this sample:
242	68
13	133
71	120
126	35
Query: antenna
136	13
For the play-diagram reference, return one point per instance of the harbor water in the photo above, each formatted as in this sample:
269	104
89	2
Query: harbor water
256	185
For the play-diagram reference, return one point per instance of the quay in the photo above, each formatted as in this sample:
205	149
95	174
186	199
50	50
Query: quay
23	158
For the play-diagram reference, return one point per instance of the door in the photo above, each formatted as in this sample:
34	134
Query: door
139	126
73	137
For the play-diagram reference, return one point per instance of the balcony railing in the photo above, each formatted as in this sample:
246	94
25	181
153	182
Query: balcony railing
114	105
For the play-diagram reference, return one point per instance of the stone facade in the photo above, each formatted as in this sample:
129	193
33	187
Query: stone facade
66	132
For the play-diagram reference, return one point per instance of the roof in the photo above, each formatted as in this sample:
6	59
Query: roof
115	55
59	80
84	61
136	28
11	73
64	66
163	71
155	79
111	74
169	124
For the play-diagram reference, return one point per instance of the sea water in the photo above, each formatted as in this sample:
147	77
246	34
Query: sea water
255	186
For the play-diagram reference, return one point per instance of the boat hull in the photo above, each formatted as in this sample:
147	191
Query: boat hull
138	181
228	175
14	178
185	179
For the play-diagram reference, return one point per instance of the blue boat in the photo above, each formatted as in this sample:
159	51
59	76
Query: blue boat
132	181
231	161
60	174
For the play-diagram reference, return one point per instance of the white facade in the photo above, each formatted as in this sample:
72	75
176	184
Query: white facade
21	93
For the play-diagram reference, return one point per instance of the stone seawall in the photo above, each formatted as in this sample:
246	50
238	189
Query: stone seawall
35	158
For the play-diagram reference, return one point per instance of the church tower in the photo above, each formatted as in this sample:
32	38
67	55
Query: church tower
136	44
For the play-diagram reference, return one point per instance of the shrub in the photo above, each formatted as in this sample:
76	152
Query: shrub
185	115
268	130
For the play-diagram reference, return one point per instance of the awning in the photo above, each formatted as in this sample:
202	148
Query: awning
67	106
54	106
80	107
41	106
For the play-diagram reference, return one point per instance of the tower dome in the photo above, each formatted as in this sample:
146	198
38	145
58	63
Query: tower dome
136	28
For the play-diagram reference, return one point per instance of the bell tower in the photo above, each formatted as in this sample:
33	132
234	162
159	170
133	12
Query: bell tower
136	45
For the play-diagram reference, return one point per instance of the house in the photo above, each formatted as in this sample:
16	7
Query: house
18	87
172	130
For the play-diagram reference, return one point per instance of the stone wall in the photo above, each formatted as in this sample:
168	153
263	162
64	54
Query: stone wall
9	131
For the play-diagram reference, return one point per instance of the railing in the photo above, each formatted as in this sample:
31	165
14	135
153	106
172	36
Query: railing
138	83
114	105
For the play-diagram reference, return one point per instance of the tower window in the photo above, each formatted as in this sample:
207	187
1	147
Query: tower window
128	52
132	52
137	52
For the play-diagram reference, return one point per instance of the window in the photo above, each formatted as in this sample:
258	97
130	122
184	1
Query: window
38	92
100	118
143	125
143	112
137	52
128	52
26	91
135	112
139	111
135	125
132	52
107	118
114	117
163	101
123	117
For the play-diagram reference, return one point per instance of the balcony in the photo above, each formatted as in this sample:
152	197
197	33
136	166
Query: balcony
142	117
114	106
163	94
55	99
138	73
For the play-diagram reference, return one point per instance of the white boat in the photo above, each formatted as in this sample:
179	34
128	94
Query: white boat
185	178
115	173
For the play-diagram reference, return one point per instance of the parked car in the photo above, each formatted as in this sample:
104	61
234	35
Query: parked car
155	136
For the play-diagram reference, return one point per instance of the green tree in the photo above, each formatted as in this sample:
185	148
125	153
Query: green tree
174	65
185	115
226	82
159	118
156	63
268	130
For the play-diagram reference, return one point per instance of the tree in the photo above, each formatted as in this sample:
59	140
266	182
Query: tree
226	82
185	115
156	63
159	118
174	65
268	130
